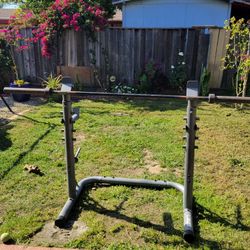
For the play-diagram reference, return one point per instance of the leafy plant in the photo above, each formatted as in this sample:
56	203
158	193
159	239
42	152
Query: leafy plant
5	57
6	63
204	80
178	75
151	79
53	82
105	83
238	53
120	88
145	84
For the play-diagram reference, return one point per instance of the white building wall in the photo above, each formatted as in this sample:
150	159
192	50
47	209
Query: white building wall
175	13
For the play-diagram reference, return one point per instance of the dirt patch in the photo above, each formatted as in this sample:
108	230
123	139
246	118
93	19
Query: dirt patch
80	137
52	235
151	164
135	172
13	117
178	172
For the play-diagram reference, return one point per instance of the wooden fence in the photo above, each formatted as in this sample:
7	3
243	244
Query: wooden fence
217	50
119	52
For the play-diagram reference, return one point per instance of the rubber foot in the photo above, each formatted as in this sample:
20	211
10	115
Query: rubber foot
188	236
60	222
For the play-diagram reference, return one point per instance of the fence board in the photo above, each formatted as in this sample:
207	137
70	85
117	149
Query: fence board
221	52
126	51
202	54
214	37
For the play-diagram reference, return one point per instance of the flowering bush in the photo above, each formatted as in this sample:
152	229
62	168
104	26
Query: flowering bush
177	75
46	26
238	53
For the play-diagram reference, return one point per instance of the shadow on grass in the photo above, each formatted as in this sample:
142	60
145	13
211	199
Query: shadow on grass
200	213
5	141
148	105
90	204
23	154
158	105
206	214
86	203
36	121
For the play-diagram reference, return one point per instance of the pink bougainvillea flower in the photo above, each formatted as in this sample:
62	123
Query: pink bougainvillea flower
28	15
45	51
98	12
77	28
22	47
76	15
3	30
43	26
73	22
65	16
59	16
44	40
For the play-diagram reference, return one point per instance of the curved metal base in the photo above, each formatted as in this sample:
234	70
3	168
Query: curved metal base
63	216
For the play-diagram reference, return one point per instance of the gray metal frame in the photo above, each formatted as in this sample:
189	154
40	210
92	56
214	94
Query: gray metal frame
75	189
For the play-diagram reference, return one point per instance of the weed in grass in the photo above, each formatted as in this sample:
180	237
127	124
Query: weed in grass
236	163
117	228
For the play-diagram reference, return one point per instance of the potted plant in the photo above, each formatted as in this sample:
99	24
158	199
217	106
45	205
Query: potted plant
20	84
54	83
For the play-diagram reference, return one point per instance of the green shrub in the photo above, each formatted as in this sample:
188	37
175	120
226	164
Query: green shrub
204	80
6	64
152	79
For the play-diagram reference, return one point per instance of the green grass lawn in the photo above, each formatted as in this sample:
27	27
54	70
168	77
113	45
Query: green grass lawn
129	139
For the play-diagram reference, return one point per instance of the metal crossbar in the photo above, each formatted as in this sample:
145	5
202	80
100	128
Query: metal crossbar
211	98
75	189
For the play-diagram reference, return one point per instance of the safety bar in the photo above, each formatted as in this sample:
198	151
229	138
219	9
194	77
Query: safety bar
212	98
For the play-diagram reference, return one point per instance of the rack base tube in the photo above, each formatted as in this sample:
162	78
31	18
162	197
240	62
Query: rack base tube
84	183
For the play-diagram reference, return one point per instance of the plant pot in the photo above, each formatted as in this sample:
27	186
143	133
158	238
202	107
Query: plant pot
20	97
55	98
